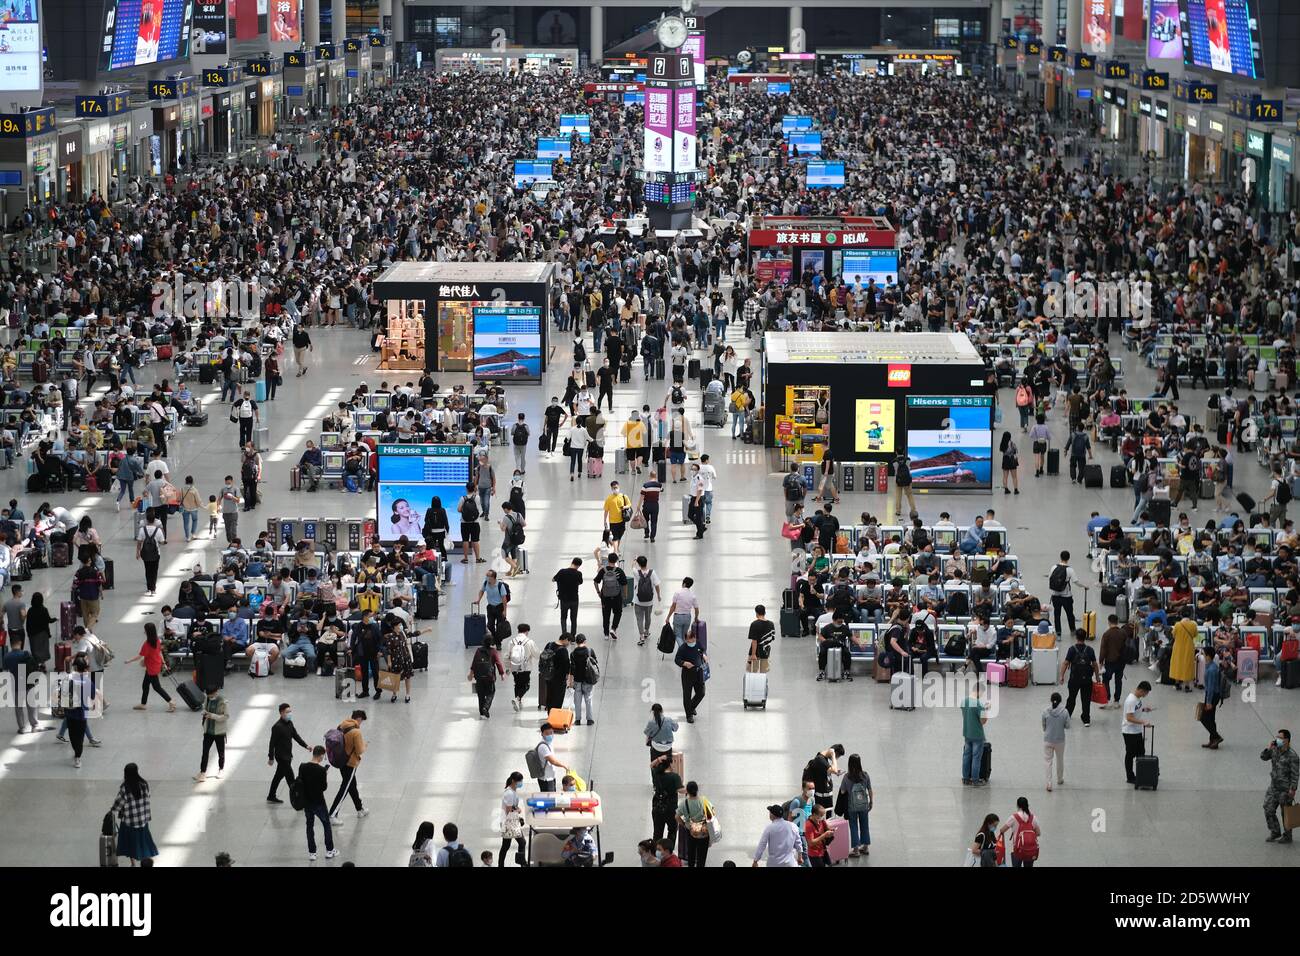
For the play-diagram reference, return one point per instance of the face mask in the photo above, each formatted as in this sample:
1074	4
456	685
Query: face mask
690	643
548	738
659	854
519	786
1279	741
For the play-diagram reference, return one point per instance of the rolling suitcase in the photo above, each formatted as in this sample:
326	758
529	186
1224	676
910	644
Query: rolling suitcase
1290	673
207	374
620	461
62	655
1247	502
1118	476
67	619
986	761
295	479
420	655
904	691
754	689
790	626
595	467
560	719
108	841
60	554
706	376
1160	510
189	692
1053	461
661	471
693	368
659	369
1121	607
1043	665
475	627
261	441
426	604
1092	476
108	574
838	850
701	636
1207	489
1146	769
259	390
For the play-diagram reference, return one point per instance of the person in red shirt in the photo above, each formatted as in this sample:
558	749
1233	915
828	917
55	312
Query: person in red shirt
817	833
151	659
664	850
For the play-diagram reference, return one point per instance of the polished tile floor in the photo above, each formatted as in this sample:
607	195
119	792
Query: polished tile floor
435	760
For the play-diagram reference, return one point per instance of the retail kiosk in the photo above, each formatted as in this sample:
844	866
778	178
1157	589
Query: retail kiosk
489	318
855	248
870	396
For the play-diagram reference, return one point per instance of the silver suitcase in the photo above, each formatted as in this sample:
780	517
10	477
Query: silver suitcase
904	691
754	689
1043	665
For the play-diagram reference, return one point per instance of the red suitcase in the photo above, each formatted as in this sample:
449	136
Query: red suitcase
839	849
62	654
67	619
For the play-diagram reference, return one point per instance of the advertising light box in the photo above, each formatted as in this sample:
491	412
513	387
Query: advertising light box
950	441
410	478
508	343
822	174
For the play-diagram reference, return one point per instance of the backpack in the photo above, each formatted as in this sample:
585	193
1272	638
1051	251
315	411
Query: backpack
1079	445
520	434
546	662
663	802
149	547
1025	846
591	673
335	752
579	354
645	588
765	642
1283	492
519	653
793	487
88	588
295	794
468	508
678	396
610	586
1081	668
459	856
841	597
1024	396
533	761
516	534
859	798
482	665
1059	579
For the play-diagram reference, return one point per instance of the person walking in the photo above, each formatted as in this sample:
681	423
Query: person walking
648	504
545	750
693	813
659	735
1056	719
498	603
1284	776
1080	667
1060	582
215	715
230	509
617	513
301	346
575	446
134	841
151	659
1010	464
973	719
1134	728
521	653
468	510
312	784
646	594
25	674
519	434
512	819
88	583
902	485
1080	447
668	789
246	415
484	670
148	549
191	503
1112	654
553	672
586	671
354	747
568	583
1025	832
609	583
279	751
684	612
854	802
82	695
693	661
781	841
1215	685
695	509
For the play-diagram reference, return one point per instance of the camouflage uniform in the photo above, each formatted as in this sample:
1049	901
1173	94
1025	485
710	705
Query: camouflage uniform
1282	783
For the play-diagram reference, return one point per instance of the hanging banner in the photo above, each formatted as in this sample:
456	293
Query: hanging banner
285	22
1098	25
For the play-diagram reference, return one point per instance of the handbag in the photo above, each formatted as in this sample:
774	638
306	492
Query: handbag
791	530
638	520
1200	709
712	824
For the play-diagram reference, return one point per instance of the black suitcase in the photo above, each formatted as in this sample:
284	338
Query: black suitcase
659	369
190	693
787	599
294	671
1160	510
693	368
986	761
108	574
1146	769
706	376
207	373
790	626
1247	502
625	373
1118	476
661	471
1053	461
426	604
1290	674
420	655
198	420
1109	595
1092	476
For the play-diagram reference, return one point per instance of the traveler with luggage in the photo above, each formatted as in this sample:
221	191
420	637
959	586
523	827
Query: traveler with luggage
1080	452
512	819
693	662
546	761
519	435
215	715
520	653
553	670
973	719
279	752
617	513
781	840
1215	684
648	504
312	784
245	414
794	490
695	508
693	813
609	583
497	594
468	510
513	536
133	813
660	732
345	747
1080	666
1025	833
1283	778
151	659
586	671
1060	581
484	670
762	635
1134	728
854	802
301	346
903	485
684	612
25	672
1056	719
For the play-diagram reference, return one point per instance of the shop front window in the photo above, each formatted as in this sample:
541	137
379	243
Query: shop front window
455	336
402	345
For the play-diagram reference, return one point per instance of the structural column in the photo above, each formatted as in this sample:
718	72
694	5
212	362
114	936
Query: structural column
597	52
338	20
311	22
1007	15
796	30
399	21
385	15
1050	27
1074	25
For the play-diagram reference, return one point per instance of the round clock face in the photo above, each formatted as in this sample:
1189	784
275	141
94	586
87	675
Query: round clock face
671	32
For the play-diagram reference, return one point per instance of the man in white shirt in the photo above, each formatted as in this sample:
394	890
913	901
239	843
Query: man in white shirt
708	475
1134	727
1061	580
780	840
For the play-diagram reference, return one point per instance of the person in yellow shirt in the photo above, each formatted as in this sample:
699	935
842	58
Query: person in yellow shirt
637	443
618	509
1182	659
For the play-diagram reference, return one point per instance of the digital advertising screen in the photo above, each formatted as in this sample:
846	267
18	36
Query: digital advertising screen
1221	35
778	89
861	265
410	477
634	99
824	175
790	124
685	140
1098	25
950	441
529	171
873	426
508	343
1164	41
694	45
141	32
806	143
557	147
579	123
658	139
285	25
209	28
20	46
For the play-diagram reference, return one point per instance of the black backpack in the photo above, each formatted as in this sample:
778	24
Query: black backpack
482	666
1081	669
469	509
1059	579
645	587
459	856
520	434
1283	492
546	662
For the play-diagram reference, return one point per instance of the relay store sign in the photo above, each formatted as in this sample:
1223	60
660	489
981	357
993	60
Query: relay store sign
822	238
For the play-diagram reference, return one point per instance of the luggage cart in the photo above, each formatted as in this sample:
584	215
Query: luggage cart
547	830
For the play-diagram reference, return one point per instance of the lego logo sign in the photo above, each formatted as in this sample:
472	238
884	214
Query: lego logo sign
900	376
